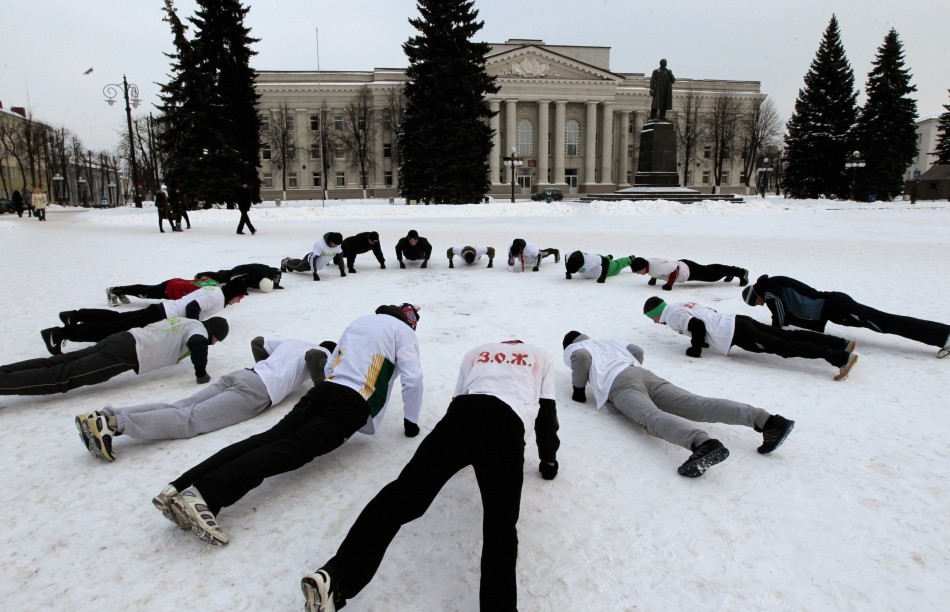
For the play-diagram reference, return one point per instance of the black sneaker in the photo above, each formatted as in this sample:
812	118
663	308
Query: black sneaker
53	339
68	317
744	279
318	590
557	255
704	456
111	297
774	432
283	264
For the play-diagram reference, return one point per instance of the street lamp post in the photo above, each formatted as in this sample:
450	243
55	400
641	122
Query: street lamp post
82	190
110	92
854	162
513	161
58	181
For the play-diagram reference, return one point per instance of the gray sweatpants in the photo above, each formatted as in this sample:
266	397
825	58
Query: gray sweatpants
233	398
665	410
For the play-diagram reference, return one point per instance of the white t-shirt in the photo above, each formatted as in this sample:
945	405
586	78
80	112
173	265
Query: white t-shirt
528	258
321	254
720	328
209	298
284	369
518	374
164	343
479	251
372	352
592	267
608	359
662	268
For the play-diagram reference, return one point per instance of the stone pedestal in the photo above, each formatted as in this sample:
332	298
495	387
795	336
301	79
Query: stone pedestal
657	163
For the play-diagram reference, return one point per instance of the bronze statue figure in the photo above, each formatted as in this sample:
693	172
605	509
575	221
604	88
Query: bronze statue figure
661	88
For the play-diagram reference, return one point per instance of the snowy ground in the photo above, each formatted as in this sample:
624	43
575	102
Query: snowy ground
848	515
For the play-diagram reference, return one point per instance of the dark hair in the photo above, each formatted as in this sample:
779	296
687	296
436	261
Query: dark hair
468	256
517	246
329	345
639	263
569	338
374	236
651	303
412	234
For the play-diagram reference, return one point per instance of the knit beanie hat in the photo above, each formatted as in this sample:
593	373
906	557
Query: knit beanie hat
233	289
217	327
574	262
374	236
639	263
407	313
653	307
334	237
468	254
749	295
329	345
412	234
517	246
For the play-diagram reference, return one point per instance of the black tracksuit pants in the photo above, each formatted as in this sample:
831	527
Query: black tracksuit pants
95	324
710	273
841	308
477	430
321	421
146	292
60	373
756	337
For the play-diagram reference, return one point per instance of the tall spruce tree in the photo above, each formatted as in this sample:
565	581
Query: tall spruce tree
444	140
886	134
943	137
211	128
819	131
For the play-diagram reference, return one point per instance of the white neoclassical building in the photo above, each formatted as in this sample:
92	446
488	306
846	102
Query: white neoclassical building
575	123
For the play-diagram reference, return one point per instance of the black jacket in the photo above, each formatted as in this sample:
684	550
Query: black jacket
354	245
422	250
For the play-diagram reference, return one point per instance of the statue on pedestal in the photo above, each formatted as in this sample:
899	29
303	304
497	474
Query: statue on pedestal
661	88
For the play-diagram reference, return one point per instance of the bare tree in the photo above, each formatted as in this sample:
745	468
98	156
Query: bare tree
757	129
359	131
722	125
690	130
283	144
322	144
395	112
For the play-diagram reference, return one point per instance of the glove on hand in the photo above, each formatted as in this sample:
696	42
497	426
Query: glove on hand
601	280
579	395
651	282
316	277
667	287
412	430
548	472
694	351
402	265
204	378
382	266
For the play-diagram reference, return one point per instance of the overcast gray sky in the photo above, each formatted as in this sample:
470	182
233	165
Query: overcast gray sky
46	46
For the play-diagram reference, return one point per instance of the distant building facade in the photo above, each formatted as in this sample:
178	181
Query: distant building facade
927	131
575	123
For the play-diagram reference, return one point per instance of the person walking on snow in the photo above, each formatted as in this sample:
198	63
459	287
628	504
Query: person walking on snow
721	332
324	250
502	388
591	265
281	366
523	255
684	270
617	378
413	247
471	254
95	324
372	352
792	302
243	200
141	350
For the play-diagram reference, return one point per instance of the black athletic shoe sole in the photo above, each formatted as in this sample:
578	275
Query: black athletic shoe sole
768	447
697	467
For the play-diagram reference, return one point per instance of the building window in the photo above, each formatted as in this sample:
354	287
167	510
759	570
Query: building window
268	180
361	124
315	150
338	151
387	150
725	179
706	176
341	179
289	122
570	177
630	127
388	179
630	177
707	152
265	151
338	123
387	120
317	179
525	137
314	123
265	124
292	180
572	138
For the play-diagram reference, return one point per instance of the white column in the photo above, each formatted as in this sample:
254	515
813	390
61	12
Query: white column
494	161
590	143
624	148
559	118
511	135
380	180
607	144
543	153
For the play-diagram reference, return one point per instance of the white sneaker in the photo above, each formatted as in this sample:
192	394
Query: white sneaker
99	436
945	350
163	503
190	504
318	592
844	370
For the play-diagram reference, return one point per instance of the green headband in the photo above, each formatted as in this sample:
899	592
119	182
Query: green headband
656	311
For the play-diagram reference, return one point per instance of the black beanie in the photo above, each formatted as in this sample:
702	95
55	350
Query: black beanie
329	345
217	327
412	234
233	289
334	237
517	246
468	254
574	262
569	338
748	294
374	236
639	263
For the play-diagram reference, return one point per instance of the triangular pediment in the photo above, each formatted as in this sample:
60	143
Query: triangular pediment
533	62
